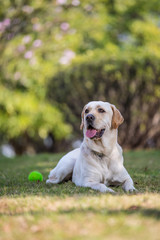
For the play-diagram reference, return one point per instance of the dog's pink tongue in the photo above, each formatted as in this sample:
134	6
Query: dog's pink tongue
91	133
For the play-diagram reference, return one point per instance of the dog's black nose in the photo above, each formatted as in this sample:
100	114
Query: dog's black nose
90	118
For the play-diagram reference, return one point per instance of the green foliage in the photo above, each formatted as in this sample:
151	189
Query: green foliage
131	81
76	51
26	63
24	113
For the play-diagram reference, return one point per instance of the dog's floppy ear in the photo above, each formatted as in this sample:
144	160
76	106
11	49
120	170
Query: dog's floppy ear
82	121
117	118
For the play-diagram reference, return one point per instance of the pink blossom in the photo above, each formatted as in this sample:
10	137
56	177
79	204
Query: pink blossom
27	9
37	43
6	22
68	55
28	55
61	2
64	26
27	39
21	48
75	2
1	27
37	27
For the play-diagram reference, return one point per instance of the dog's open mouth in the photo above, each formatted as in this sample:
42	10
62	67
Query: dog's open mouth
94	133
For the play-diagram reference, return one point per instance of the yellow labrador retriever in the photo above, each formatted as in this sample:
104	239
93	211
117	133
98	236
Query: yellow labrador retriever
98	163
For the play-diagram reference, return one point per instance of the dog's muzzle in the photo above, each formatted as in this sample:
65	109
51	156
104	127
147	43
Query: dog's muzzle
90	118
92	132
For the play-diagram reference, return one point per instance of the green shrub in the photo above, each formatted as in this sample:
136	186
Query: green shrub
130	81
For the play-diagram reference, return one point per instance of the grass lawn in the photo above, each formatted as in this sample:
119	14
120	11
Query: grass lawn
35	211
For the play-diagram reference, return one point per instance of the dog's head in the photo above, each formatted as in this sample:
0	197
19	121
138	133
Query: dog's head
98	117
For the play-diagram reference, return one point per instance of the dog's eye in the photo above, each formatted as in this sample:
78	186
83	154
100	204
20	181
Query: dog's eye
100	110
86	111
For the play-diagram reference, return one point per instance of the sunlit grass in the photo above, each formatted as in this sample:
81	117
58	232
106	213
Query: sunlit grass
36	211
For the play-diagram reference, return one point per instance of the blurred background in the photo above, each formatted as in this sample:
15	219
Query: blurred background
58	55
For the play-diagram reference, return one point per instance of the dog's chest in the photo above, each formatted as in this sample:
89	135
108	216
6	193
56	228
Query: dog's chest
108	171
106	168
103	167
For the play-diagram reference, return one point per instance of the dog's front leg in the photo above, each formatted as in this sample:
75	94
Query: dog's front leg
99	186
128	185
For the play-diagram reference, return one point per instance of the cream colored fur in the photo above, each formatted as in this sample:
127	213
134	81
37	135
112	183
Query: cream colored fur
98	163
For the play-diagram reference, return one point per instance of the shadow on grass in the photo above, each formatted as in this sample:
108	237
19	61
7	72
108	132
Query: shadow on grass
144	212
154	213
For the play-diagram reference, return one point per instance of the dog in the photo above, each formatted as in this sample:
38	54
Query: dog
98	163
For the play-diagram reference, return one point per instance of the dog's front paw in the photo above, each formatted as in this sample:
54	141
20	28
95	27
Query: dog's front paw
109	190
99	187
54	181
105	189
133	190
130	189
128	186
48	181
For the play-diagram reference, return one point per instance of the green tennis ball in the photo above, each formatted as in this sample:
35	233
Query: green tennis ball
35	176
